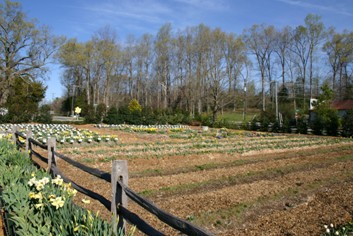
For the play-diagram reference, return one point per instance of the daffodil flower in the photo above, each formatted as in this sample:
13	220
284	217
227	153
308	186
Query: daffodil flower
58	180
86	201
57	202
32	181
39	185
39	206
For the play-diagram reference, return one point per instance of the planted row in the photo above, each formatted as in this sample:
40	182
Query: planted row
62	133
36	204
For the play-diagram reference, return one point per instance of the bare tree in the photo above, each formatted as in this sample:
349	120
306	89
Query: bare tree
25	48
281	48
315	34
163	58
259	40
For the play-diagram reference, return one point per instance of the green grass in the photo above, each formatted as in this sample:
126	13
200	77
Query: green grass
237	116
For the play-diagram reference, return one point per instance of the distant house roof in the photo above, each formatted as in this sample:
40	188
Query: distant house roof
343	105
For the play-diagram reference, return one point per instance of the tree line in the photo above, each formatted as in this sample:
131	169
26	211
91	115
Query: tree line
195	70
199	69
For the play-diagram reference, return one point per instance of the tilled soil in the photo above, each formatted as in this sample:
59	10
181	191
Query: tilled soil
264	192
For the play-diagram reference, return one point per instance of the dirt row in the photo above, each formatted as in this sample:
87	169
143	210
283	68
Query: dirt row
264	192
216	208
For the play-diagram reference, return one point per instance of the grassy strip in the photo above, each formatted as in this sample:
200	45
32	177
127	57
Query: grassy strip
233	148
201	144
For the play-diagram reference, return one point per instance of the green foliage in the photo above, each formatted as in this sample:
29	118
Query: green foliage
331	230
44	115
112	116
205	119
95	114
326	118
302	125
146	117
347	124
263	121
25	49
134	106
79	100
90	116
39	205
24	99
101	112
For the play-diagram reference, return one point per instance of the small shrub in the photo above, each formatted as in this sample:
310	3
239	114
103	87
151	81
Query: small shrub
134	106
302	125
44	115
347	124
112	116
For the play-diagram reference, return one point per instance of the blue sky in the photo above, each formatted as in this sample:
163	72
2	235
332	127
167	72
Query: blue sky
81	18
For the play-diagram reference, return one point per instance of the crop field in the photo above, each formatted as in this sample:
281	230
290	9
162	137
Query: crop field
229	182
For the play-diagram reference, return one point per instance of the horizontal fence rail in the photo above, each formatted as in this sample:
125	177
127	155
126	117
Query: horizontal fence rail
118	179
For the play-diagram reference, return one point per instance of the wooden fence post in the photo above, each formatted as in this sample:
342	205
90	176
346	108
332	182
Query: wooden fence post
119	172
28	145
51	156
14	130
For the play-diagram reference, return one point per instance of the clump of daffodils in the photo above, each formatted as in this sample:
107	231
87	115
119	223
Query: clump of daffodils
49	193
332	230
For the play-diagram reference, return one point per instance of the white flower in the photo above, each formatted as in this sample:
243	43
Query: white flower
57	202
39	186
58	180
86	201
32	181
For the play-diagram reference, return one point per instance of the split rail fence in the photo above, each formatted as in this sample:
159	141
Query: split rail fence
120	190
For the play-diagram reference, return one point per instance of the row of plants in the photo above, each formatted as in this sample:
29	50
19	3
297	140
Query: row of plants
64	134
146	128
207	145
37	204
323	119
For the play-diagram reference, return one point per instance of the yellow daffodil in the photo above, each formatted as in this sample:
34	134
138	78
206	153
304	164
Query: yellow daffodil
32	181
86	201
35	195
39	186
57	202
58	180
39	206
71	192
31	195
44	180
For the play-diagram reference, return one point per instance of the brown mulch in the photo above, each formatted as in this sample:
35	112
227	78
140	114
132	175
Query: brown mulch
317	191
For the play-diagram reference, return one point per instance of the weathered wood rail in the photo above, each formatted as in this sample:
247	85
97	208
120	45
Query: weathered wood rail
118	179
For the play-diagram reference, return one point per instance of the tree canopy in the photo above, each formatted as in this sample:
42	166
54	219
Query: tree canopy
25	47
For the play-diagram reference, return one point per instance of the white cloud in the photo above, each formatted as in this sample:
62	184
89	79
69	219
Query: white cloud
146	10
333	8
205	4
